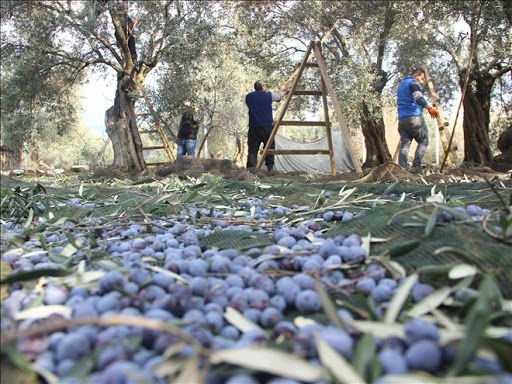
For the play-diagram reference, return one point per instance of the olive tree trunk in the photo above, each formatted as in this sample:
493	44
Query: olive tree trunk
372	124
374	132
477	100
121	126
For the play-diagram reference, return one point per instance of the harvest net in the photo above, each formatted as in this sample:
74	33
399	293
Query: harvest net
373	203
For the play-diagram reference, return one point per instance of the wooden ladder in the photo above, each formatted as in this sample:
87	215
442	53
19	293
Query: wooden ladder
326	89
166	145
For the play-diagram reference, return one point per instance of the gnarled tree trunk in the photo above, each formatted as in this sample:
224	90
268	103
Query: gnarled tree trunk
374	132
121	126
373	127
476	104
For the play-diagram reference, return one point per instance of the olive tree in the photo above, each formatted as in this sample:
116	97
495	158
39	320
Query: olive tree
476	37
38	102
129	38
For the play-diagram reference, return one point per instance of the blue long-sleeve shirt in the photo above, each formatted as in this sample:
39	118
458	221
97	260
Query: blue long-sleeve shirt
410	98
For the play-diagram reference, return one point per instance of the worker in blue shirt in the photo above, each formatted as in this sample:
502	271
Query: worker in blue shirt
259	104
411	124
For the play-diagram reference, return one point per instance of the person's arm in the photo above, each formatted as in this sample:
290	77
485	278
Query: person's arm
276	96
130	26
417	95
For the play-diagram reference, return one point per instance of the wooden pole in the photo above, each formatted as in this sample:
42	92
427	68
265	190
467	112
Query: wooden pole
397	151
328	132
442	124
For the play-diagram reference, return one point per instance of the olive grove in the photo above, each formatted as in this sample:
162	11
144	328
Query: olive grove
208	54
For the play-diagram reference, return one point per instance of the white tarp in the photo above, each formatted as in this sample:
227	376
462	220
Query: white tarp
313	163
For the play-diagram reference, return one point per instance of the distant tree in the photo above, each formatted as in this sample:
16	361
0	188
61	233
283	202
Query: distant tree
484	39
362	44
38	102
98	34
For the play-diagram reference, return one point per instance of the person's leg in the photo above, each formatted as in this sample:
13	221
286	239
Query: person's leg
420	134
269	160
253	145
405	142
131	47
191	147
180	151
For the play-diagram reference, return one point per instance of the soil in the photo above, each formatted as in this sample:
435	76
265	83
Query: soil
194	167
386	173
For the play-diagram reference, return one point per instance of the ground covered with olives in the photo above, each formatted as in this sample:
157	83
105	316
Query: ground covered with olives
202	280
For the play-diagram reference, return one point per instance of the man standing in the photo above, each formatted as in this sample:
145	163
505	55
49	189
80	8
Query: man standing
411	124
187	135
259	104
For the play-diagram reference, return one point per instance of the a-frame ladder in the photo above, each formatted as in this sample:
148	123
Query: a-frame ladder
166	145
326	89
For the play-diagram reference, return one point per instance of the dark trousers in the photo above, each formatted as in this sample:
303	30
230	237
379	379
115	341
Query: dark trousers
412	128
131	47
255	138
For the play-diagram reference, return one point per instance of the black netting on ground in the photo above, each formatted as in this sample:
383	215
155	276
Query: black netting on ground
470	242
470	239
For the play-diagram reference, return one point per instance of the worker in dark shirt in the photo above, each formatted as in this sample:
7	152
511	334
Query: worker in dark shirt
259	104
411	124
128	25
187	135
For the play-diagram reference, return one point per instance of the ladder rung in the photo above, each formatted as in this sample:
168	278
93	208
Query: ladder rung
303	123
298	152
308	93
311	65
151	148
149	131
157	164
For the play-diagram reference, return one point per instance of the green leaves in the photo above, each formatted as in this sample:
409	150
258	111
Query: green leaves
365	360
399	299
403	248
476	322
336	364
25	203
236	239
271	361
32	275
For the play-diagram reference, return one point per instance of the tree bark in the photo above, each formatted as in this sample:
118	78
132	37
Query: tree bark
373	128
121	126
477	101
9	159
374	132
